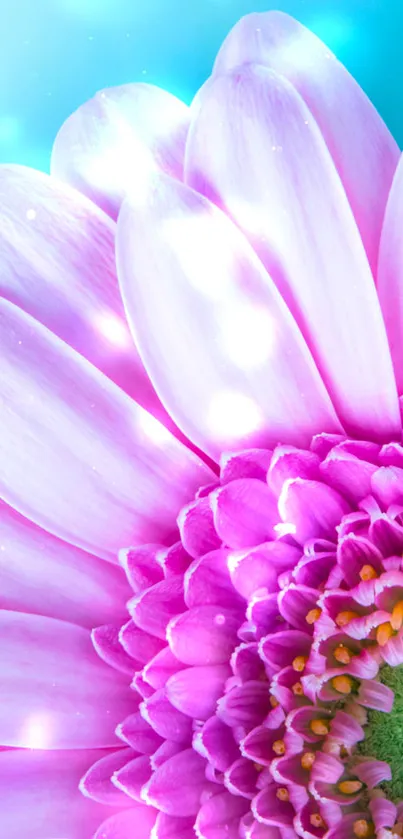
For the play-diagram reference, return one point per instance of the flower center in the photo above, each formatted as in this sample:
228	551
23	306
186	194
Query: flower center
384	734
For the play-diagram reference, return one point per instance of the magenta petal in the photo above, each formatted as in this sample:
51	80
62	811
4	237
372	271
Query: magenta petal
387	485
348	474
311	509
165	719
375	695
252	144
246	662
177	786
204	635
197	529
383	812
97	784
139	644
245	512
44	575
220	816
105	147
138	822
268	809
141	566
218	743
362	148
250	463
153	608
241	777
260	567
390	273
56	691
167	750
246	705
183	689
40	796
173	827
137	732
352	553
288	462
174	560
294	604
132	777
237	400
280	648
161	667
373	772
107	644
207	580
96	478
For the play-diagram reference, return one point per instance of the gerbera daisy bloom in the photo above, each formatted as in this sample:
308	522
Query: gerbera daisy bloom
201	461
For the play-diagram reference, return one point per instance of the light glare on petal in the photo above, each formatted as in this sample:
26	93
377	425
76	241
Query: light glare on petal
114	330
247	335
154	430
233	414
37	732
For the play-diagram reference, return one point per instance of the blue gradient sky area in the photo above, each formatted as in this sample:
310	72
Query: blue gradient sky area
55	54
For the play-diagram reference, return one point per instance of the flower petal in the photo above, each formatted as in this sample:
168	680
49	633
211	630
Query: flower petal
173	827
363	150
138	822
57	262
104	148
96	783
75	454
46	576
204	635
183	689
56	692
177	786
220	816
245	512
40	798
256	149
252	362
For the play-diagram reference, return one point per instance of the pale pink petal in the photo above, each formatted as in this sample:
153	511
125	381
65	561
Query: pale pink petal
77	455
255	148
40	796
105	147
136	822
107	644
245	512
177	786
390	273
46	576
204	635
56	693
363	150
57	262
247	377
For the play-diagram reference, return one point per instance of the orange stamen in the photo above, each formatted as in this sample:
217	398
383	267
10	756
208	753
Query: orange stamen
313	615
299	663
317	821
383	633
320	727
350	787
342	654
396	620
274	702
368	572
283	794
279	747
343	684
344	618
297	689
362	829
307	760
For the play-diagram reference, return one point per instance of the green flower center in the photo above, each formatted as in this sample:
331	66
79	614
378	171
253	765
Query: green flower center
384	734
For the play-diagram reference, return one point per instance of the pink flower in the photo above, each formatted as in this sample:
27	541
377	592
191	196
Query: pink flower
194	651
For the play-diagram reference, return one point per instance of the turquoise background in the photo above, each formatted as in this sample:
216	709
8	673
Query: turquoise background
54	54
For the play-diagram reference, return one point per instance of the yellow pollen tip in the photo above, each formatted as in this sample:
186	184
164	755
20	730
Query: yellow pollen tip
317	821
283	794
362	829
396	620
274	702
297	689
383	633
368	572
342	654
343	684
279	747
307	760
320	727
299	663
344	618
350	787
313	615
